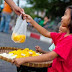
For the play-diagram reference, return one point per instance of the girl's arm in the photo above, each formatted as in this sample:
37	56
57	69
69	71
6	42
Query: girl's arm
40	50
40	29
44	52
45	57
42	58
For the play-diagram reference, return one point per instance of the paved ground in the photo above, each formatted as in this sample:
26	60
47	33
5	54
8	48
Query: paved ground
5	40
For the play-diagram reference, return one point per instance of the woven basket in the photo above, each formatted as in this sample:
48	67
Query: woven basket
30	64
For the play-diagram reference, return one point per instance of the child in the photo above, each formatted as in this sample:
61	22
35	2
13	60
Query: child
38	49
62	54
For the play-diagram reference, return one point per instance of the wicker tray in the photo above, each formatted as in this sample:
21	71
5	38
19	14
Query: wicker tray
30	64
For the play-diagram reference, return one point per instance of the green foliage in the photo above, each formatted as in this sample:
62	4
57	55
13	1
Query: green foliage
30	11
54	7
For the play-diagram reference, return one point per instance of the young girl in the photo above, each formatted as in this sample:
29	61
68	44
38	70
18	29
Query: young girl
62	54
52	47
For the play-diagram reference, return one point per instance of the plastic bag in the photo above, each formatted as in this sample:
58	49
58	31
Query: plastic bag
19	32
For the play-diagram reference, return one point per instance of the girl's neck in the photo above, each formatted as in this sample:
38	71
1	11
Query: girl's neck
68	33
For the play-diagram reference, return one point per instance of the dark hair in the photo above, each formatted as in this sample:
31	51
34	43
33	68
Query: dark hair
46	16
70	25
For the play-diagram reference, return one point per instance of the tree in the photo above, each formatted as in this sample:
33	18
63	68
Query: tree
30	11
53	7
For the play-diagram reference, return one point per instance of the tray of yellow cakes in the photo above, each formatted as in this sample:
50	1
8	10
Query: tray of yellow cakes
9	53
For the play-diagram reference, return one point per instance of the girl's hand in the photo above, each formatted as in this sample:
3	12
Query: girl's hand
18	61
38	49
27	17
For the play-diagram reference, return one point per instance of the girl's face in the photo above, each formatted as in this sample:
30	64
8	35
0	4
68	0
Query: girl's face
62	29
66	18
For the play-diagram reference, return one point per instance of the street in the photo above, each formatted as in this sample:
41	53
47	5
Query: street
5	41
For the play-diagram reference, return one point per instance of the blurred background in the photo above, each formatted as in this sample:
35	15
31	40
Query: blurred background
46	13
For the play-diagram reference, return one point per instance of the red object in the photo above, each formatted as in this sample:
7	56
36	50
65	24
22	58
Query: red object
10	27
34	35
63	63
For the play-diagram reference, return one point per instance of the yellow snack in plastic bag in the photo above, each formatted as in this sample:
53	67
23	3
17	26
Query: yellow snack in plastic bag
23	37
18	38
19	32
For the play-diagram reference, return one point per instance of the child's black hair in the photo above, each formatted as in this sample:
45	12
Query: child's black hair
70	25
